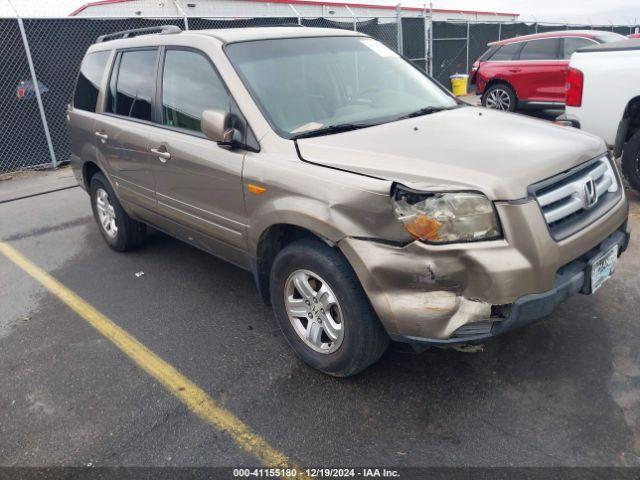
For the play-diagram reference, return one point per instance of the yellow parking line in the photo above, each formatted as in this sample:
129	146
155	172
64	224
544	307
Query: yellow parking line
180	386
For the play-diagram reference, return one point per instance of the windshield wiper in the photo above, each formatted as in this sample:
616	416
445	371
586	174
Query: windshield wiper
331	129
425	111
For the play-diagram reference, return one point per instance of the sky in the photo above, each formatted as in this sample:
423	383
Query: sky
571	11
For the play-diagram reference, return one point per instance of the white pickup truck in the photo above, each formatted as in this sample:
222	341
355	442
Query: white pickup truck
603	97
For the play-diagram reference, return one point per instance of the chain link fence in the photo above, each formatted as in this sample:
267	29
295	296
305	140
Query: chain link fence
39	65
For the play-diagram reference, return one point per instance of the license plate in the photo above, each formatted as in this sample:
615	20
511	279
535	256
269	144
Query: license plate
602	268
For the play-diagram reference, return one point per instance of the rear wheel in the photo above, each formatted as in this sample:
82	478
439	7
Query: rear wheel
121	232
500	96
323	311
631	161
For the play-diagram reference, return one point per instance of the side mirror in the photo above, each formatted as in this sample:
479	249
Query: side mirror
216	125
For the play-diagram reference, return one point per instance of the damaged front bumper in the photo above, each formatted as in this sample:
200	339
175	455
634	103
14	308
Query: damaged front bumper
467	293
571	279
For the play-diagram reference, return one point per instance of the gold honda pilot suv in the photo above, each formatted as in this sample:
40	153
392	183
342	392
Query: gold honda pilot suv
368	203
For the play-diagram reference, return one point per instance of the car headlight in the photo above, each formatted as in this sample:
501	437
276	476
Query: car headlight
446	217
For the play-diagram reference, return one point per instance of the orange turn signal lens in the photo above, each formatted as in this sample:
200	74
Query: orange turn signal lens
424	228
255	189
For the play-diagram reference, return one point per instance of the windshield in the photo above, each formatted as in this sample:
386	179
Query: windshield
608	37
305	85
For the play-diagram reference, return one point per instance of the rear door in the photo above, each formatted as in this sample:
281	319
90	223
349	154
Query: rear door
541	73
123	129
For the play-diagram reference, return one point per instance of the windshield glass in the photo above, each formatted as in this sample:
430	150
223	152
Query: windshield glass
304	85
608	37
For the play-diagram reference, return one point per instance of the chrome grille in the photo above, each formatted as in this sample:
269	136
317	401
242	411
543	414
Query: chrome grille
570	199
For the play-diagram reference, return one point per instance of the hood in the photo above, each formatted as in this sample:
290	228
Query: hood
497	153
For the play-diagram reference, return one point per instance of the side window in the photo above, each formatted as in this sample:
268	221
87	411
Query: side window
571	44
190	85
507	52
133	86
545	49
88	86
486	55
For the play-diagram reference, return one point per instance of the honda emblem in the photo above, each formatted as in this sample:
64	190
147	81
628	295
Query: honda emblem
590	193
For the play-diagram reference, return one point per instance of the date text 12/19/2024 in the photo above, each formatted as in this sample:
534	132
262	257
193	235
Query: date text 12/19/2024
315	473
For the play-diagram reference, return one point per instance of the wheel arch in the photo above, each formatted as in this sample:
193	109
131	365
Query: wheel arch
628	126
500	80
89	169
271	241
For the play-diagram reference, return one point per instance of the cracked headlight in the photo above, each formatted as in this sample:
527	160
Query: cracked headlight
446	217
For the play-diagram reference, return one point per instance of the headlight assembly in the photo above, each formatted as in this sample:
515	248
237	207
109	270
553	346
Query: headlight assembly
446	217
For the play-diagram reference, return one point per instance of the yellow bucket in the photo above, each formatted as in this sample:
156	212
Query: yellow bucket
459	84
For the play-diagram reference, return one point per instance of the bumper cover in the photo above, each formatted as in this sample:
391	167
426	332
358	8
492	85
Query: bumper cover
571	279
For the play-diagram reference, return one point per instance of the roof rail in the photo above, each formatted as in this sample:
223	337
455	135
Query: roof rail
280	25
161	30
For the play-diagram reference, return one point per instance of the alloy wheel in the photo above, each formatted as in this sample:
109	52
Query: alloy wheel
106	213
498	99
314	311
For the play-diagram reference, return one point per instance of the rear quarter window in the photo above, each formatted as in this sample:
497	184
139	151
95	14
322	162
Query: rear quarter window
92	69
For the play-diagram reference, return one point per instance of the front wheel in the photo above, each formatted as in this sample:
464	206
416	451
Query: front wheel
500	97
631	161
323	311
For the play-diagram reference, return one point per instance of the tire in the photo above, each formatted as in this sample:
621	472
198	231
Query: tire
121	233
500	96
361	339
631	161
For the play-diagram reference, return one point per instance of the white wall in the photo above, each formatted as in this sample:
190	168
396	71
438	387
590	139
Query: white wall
248	9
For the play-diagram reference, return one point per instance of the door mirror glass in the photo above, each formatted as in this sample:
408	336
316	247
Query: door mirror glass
216	125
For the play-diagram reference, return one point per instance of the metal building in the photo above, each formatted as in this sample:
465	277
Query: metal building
274	9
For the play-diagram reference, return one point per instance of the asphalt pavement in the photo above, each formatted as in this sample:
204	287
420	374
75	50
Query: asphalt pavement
562	392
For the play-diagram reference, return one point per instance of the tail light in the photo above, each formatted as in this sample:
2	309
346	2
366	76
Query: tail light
473	72
573	87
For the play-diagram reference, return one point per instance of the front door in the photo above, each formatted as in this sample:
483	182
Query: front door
122	130
198	183
541	76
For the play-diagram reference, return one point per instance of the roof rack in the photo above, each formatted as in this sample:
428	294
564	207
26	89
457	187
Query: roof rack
280	25
161	30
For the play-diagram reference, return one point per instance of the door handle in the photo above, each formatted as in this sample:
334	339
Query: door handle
163	155
515	70
102	136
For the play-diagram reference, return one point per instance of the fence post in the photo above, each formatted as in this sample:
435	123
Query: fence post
468	40
399	29
36	89
184	14
427	52
296	13
431	38
355	20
